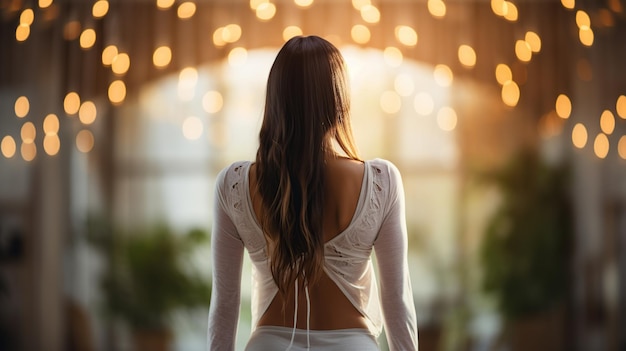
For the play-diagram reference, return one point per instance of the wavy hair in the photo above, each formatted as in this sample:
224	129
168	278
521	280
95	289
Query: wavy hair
306	107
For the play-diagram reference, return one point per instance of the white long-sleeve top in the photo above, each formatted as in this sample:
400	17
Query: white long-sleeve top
378	223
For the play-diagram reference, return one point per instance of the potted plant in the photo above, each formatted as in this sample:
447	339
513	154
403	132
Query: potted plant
525	253
147	279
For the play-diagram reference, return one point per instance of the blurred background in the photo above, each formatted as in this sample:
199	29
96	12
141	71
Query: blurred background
507	120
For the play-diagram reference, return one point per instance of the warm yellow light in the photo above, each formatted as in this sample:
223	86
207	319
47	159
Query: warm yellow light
511	11
358	4
45	3
406	35
165	4
8	146
192	128
84	141
423	104
187	80
563	106
265	11
601	145
218	37
443	75
370	14
533	40
29	151
117	92
71	30
579	135
22	32
51	124
254	4
237	56
303	3
186	10
22	106
467	56
403	84
360	34
582	19
437	8
108	54
620	106
87	38
290	32
212	101
162	56
231	33
621	147
71	103
51	144
510	93
607	122
523	51
503	73
28	132
499	7
27	17
87	112
447	118
568	4
120	63
100	8
390	102
585	35
392	56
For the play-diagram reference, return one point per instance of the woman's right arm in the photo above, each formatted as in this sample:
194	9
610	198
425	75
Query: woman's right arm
227	257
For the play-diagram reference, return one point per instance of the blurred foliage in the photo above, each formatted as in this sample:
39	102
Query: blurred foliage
149	275
526	249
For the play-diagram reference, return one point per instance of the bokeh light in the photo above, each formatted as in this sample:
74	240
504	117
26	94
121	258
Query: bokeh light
165	4
84	141
579	135
237	56
607	122
360	34
265	11
447	118
51	124
370	13
467	56
437	8
162	56
192	128
212	101
404	84
100	8
108	54
87	38
423	103
117	92
51	144
28	133
406	35
186	10
27	17
620	106
443	75
87	112
290	32
392	56
601	145
120	63
563	106
503	73
8	146
510	93
621	147
71	103
22	106
28	151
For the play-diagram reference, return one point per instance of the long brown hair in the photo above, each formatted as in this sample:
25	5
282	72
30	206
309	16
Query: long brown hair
306	107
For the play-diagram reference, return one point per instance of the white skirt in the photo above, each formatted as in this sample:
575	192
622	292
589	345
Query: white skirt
274	338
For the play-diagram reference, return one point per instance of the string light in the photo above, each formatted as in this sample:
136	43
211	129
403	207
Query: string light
579	135
8	146
22	106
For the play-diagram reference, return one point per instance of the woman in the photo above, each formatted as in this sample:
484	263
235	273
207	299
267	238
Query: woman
309	219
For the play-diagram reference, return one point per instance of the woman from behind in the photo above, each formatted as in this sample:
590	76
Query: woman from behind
310	218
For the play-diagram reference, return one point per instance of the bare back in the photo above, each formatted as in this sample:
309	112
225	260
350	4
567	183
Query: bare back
330	309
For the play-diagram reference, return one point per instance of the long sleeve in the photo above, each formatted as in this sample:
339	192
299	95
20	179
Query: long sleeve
227	257
395	286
